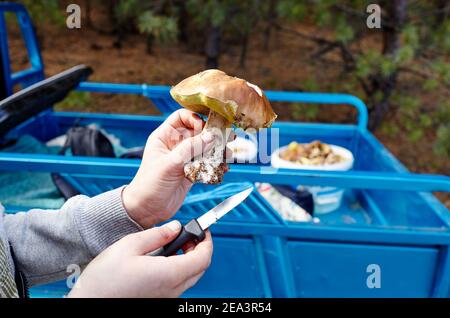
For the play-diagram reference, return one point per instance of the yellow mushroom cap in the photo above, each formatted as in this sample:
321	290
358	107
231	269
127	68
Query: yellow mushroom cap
239	101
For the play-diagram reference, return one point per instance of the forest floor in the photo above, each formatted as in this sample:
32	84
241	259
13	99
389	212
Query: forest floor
285	66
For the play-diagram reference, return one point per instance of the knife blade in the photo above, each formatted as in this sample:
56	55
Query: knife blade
194	230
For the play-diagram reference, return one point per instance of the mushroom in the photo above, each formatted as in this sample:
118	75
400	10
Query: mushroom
226	100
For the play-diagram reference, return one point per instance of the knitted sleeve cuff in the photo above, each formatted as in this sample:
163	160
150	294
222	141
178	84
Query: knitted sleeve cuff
103	220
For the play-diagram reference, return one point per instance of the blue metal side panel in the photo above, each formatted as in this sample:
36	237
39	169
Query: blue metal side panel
340	270
410	208
309	269
237	270
442	279
277	264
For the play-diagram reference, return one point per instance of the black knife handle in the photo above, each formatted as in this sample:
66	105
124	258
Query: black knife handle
191	232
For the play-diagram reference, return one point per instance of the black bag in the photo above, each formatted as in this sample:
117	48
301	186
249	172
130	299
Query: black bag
87	142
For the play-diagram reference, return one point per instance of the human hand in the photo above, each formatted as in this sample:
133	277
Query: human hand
125	271
159	187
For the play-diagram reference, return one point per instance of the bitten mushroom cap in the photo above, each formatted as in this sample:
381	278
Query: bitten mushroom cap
239	101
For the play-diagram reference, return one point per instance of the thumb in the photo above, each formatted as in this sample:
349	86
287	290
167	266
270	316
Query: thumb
192	147
149	240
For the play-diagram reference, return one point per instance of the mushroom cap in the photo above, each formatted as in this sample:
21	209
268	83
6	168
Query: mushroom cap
239	101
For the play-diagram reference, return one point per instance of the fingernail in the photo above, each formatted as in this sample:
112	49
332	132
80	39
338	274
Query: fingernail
174	226
208	137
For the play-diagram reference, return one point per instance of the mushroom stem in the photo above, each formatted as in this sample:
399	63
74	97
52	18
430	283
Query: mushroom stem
210	167
216	122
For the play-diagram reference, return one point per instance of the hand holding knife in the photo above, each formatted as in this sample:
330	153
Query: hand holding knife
194	230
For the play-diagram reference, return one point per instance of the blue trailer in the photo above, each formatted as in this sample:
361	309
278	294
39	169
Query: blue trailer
389	224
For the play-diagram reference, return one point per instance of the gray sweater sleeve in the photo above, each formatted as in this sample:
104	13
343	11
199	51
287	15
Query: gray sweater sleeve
46	242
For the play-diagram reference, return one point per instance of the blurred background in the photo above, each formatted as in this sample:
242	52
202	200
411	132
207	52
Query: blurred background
401	70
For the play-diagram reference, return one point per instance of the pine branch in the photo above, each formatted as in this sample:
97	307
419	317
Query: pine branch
422	74
324	50
312	38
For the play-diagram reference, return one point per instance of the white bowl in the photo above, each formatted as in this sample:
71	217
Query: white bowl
347	164
326	199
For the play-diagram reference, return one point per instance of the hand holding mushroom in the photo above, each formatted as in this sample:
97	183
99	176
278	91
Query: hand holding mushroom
226	100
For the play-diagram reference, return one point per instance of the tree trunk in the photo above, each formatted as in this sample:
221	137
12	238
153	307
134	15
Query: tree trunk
183	19
40	38
442	12
396	15
120	37
271	17
111	10
118	27
87	5
213	47
244	49
150	41
379	108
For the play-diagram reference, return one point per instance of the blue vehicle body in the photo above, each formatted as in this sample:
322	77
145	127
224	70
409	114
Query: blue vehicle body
389	223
